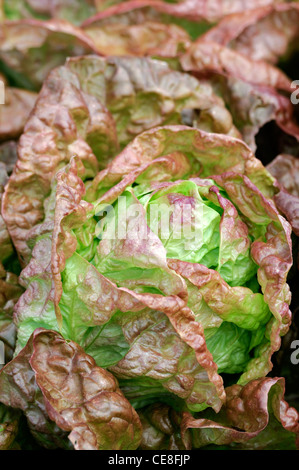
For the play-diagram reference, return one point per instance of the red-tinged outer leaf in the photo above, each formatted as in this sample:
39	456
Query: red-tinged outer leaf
262	34
285	169
194	10
252	89
62	381
288	204
208	58
245	417
142	37
96	412
32	48
20	391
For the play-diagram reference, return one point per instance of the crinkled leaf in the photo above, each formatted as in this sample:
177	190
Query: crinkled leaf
55	381
254	91
255	416
285	169
206	58
138	32
265	33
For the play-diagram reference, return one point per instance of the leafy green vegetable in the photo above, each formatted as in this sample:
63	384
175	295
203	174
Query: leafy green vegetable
157	297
